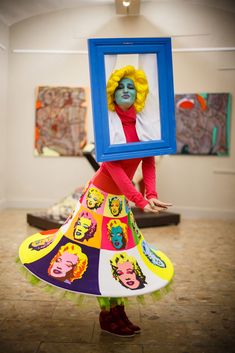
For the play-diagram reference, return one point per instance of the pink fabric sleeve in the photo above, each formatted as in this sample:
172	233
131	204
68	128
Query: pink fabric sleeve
149	177
125	185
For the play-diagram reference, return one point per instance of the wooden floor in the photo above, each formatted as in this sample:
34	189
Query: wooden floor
196	316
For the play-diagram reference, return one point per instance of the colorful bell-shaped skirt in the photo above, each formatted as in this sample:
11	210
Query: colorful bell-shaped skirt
98	251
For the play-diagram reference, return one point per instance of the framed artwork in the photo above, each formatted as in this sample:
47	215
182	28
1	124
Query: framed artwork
61	121
156	120
203	123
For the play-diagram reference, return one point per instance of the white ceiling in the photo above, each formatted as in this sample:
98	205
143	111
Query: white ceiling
13	11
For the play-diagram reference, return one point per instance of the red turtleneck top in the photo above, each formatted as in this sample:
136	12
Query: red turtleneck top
116	177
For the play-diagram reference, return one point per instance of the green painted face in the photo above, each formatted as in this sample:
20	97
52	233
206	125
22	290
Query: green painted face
125	93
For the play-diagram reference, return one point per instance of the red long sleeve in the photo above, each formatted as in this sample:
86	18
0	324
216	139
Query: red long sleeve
149	177
123	181
122	172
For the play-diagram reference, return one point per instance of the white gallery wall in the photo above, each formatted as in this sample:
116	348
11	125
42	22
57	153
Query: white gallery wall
4	31
197	186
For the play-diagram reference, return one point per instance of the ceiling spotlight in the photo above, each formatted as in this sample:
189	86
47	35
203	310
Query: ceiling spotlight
127	7
126	3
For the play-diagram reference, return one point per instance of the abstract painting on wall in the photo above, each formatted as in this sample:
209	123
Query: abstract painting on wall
203	123
61	121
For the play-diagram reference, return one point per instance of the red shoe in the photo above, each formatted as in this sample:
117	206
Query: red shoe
124	318
109	324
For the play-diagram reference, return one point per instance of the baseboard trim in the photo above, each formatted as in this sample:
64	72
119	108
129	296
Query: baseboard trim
3	204
204	213
185	212
30	203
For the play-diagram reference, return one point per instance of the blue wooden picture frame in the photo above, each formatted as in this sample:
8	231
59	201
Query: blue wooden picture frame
161	47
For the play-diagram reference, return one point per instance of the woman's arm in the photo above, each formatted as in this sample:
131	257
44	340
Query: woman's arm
149	177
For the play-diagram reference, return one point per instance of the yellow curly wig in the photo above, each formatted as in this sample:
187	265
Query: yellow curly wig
81	265
95	193
140	81
115	223
122	258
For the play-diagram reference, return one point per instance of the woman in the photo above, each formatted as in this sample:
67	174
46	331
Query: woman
68	264
85	227
127	271
117	234
127	90
117	266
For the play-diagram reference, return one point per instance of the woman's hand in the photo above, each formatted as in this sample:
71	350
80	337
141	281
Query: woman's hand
154	205
148	208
